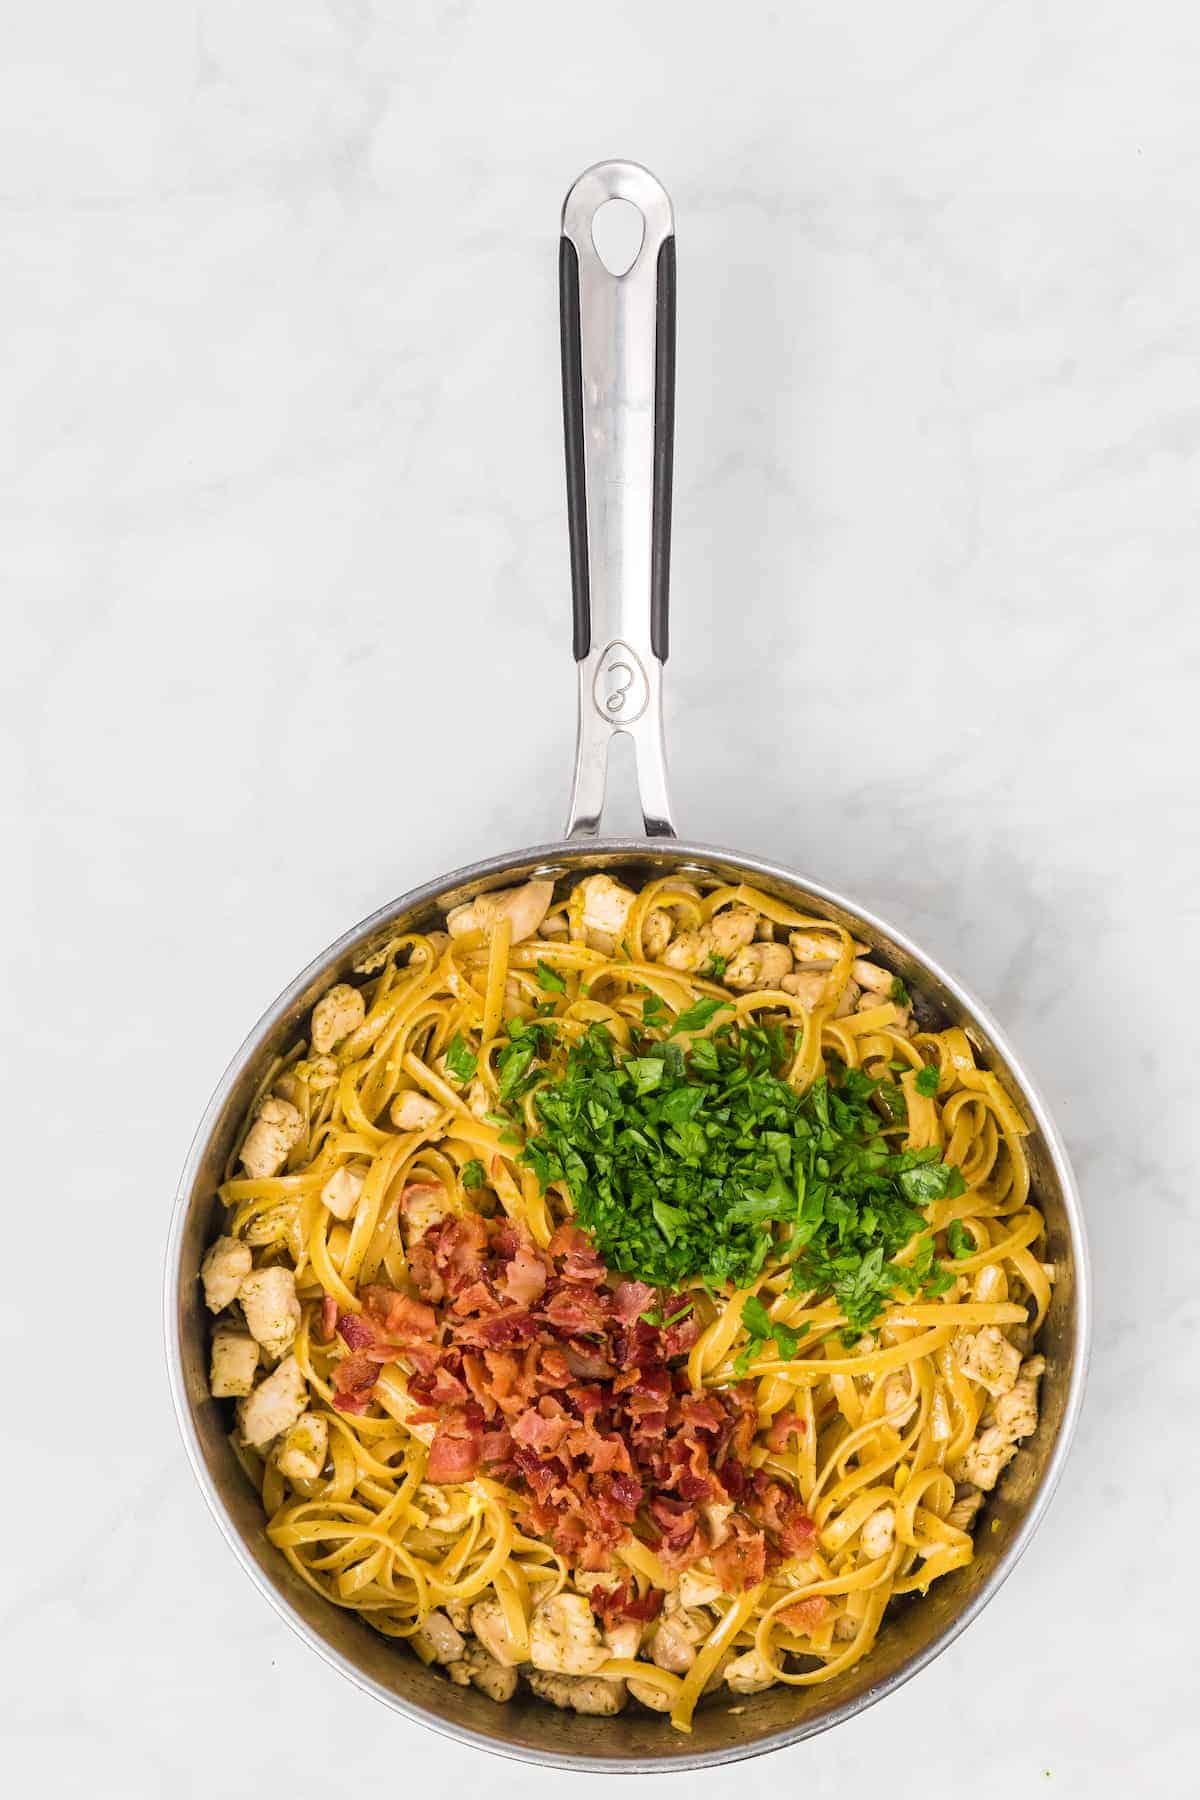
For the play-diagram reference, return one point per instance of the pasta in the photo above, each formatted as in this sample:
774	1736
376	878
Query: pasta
622	1291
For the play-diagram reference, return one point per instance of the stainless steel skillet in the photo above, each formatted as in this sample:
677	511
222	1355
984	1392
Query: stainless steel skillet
618	385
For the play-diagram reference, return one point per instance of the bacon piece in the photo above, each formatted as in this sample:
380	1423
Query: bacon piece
581	1260
356	1332
741	1561
398	1315
631	1299
577	1311
512	1326
525	1277
456	1448
497	1447
542	1428
478	1298
785	1425
353	1379
622	1602
806	1614
588	1362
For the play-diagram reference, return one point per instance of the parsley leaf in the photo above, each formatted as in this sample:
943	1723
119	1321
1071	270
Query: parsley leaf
899	993
472	1173
959	1239
928	1080
460	1061
550	979
696	1017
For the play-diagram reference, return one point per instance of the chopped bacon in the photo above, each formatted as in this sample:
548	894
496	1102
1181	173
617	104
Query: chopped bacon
784	1426
581	1260
577	1311
457	1446
631	1299
588	1363
542	1428
805	1615
620	1602
741	1561
525	1277
398	1315
353	1379
355	1332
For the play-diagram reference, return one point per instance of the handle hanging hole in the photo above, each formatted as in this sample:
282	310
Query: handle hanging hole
618	230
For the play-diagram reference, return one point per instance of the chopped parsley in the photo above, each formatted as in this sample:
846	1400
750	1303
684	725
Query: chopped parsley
899	993
550	979
715	966
460	1061
928	1080
472	1173
959	1240
703	1161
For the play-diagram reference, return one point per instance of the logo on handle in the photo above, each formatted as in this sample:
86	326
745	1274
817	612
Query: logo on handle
620	690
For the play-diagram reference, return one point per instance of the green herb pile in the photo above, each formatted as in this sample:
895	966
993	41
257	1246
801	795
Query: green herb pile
704	1162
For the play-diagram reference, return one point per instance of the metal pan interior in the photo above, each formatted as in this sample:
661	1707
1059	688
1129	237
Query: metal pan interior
726	1728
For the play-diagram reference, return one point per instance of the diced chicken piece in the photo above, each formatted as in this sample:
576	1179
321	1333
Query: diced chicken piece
730	931
225	1267
275	1404
268	1298
564	1637
278	1127
679	1632
810	989
301	1456
341	1011
967	1502
899	1399
234	1363
987	1458
488	1624
845	1626
650	1696
605	905
990	1285
878	1533
623	1638
490	1677
848	1001
525	906
698	1589
749	1674
987	1357
579	1694
555	926
322	1073
656	933
1016	1413
821	948
423	1203
343	1190
459	1673
459	1614
716	1514
685	953
436	1640
411	1111
758	966
872	978
289	1087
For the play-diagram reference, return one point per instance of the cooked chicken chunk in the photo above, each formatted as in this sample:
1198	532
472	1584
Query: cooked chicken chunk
301	1455
489	1625
656	933
698	1589
268	1298
564	1637
1016	1412
815	948
341	1011
879	1533
749	1674
343	1190
967	1502
987	1357
437	1640
731	930
423	1203
276	1129
810	988
623	1638
275	1404
605	905
234	1363
225	1267
413	1112
987	1458
526	906
685	953
679	1632
872	978
579	1693
899	1399
484	1672
758	966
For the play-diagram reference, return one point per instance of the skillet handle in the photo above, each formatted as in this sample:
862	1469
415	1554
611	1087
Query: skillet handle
618	368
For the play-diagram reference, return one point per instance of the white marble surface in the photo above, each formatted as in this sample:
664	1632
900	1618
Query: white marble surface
285	597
